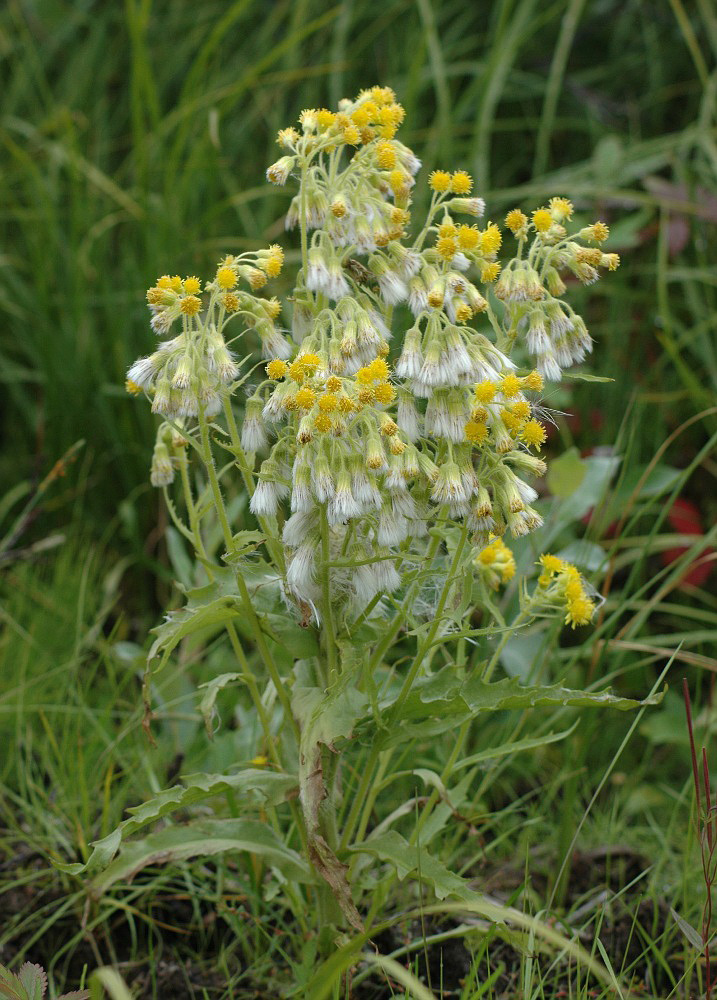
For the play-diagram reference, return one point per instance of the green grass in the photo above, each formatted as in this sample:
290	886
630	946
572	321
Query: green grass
134	140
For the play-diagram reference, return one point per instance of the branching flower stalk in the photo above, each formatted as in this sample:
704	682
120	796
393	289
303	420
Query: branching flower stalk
386	445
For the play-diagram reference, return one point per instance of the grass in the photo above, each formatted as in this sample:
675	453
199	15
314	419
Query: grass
134	140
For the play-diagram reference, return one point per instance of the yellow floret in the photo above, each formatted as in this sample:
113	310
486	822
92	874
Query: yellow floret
490	272
599	232
366	394
305	398
447	228
175	283
446	247
440	180
310	362
328	402
463	312
351	135
468	237
515	220
542	220
561	209
461	182
276	369
551	564
384	392
521	409
230	301
360	117
325	118
226	278
579	611
485	391
322	422
190	305
132	388
333	383
533	381
385	155
491	239
379	369
164	282
272	307
510	386
476	432
533	434
257	278
192	285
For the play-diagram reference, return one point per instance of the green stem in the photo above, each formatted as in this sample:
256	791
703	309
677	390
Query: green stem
257	632
493	662
424	649
329	629
302	221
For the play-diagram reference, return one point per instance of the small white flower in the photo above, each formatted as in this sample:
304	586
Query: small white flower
264	503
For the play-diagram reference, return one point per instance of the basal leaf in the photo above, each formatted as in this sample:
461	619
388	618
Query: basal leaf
202	839
272	788
391	847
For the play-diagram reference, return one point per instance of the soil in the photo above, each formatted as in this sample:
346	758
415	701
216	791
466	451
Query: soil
181	964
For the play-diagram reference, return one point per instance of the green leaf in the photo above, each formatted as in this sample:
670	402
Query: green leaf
34	980
444	700
586	377
301	642
688	930
566	473
272	789
213	604
599	470
391	847
517	746
209	698
202	839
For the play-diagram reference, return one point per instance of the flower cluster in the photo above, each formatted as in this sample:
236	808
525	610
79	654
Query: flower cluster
192	371
362	457
495	563
531	287
561	586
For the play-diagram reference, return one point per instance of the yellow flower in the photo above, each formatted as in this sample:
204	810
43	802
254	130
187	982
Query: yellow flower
230	301
175	283
551	564
379	369
485	391
468	237
384	392
132	388
490	272
533	434
322	422
257	278
599	232
579	611
561	209
352	137
542	220
510	386
476	432
533	381
192	285
440	180
305	398
461	182
274	261
310	362
446	247
521	409
398	181
226	278
325	118
277	369
190	305
333	383
515	220
272	307
328	402
491	239
463	312
447	229
385	155
164	282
